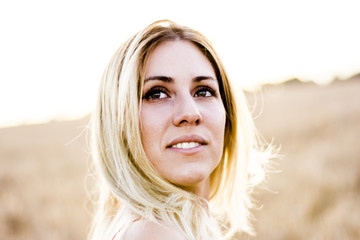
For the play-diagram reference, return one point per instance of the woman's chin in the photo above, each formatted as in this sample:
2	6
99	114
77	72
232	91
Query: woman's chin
197	184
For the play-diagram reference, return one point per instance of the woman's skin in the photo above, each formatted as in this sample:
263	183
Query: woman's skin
182	124
144	230
182	116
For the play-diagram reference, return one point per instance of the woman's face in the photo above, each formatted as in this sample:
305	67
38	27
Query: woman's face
182	115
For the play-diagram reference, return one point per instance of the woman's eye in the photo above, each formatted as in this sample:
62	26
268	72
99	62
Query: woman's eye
154	94
205	92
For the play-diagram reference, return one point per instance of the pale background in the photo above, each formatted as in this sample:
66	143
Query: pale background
53	53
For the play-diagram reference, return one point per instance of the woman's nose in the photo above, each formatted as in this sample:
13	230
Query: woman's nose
186	112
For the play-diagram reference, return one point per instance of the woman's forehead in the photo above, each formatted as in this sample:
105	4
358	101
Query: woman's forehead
175	58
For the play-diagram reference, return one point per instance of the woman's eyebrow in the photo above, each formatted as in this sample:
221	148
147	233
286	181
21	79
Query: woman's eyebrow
168	79
160	78
200	78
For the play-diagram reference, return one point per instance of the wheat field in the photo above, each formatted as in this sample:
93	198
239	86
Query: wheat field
314	193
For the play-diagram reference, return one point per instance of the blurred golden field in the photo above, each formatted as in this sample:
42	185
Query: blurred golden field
44	169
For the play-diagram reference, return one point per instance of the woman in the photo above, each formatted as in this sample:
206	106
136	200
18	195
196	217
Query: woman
172	159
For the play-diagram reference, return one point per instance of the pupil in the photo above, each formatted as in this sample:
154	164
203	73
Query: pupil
156	95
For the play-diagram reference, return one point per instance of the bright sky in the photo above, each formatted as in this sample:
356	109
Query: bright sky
53	53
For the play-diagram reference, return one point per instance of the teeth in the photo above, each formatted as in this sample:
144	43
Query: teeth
186	145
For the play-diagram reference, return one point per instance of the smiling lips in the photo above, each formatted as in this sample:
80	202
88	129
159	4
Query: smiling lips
187	142
186	145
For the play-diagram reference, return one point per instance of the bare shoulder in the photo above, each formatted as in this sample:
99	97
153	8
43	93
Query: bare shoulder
145	229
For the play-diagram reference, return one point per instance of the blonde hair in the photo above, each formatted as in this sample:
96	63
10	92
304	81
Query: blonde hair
127	176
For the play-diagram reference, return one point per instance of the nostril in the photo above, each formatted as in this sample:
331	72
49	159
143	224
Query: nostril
186	113
189	120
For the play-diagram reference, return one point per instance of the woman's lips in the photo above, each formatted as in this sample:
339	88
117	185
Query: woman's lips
186	145
187	142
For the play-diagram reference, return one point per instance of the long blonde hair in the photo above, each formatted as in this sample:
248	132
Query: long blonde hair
127	176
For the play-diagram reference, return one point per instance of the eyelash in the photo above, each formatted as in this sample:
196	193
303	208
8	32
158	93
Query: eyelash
156	90
149	94
206	88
